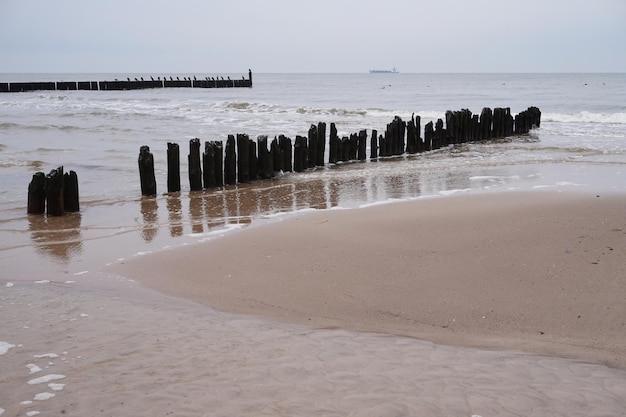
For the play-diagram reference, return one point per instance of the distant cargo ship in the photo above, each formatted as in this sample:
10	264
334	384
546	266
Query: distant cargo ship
394	70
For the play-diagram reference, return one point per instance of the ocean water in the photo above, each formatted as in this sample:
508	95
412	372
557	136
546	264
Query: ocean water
581	144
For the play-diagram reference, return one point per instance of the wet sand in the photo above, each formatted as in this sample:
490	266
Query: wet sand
539	272
445	270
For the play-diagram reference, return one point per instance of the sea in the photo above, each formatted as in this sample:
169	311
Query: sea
581	143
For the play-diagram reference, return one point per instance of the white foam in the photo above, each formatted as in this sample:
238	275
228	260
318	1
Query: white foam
2	410
43	281
32	413
70	282
32	368
45	379
4	347
43	396
81	273
27	402
56	387
46	355
9	284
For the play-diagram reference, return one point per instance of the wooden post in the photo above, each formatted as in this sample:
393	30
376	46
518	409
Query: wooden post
266	169
208	165
287	151
300	154
70	192
321	144
312	148
173	167
230	162
429	134
219	163
374	145
54	192
362	146
195	168
243	158
486	123
277	156
334	144
37	194
146	171
253	160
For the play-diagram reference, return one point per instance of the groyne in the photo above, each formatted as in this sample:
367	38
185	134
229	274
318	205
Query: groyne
243	159
128	84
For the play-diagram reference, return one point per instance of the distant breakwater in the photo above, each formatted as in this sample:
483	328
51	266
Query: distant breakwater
243	160
128	84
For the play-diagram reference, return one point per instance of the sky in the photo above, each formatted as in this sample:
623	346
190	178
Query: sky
294	36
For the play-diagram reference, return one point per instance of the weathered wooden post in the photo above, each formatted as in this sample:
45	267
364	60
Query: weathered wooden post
266	168
54	192
195	168
37	194
230	162
287	151
321	144
374	145
429	134
243	158
413	140
219	163
486	124
362	146
334	143
173	167
277	156
208	165
146	171
300	154
312	148
253	160
441	136
70	192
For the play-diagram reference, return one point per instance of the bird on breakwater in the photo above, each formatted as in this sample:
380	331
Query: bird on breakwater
151	78
128	78
171	79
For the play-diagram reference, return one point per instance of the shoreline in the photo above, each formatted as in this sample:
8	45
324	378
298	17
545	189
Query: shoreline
536	272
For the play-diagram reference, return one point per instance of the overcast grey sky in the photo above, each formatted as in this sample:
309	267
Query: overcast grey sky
190	36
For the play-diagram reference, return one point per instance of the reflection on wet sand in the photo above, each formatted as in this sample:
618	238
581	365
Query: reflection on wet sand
56	237
149	212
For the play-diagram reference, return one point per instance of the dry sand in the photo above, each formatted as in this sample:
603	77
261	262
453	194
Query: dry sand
491	271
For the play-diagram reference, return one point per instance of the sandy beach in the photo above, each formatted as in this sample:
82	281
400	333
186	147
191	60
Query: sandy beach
539	272
507	304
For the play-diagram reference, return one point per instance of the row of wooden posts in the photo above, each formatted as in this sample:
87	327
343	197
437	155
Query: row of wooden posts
243	160
54	194
128	84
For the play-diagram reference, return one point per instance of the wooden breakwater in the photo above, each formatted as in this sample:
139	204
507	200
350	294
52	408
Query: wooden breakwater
128	84
243	160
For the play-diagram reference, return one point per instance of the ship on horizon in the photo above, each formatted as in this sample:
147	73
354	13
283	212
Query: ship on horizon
394	70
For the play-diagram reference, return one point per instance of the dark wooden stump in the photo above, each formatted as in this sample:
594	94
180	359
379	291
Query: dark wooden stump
195	166
362	145
208	165
173	167
374	145
429	135
277	156
334	144
321	144
287	151
312	147
219	163
55	192
300	154
230	162
37	194
486	124
70	192
266	164
243	158
253	161
146	171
